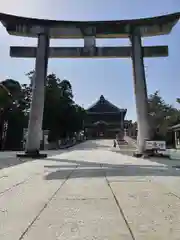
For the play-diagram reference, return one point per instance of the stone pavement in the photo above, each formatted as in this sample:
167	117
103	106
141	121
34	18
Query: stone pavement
89	192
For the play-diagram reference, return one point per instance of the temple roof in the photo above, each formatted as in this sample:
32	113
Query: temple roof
22	26
104	106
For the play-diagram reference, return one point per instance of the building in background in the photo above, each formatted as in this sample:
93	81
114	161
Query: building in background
104	120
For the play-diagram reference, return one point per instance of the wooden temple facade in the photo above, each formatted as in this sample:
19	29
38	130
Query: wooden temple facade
104	120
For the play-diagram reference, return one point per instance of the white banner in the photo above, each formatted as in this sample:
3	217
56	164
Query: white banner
157	145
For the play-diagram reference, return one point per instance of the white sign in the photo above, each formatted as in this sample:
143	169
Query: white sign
156	145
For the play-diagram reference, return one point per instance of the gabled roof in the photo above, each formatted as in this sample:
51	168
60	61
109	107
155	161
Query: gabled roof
104	106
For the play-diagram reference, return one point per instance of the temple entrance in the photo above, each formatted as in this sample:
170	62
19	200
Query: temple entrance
100	129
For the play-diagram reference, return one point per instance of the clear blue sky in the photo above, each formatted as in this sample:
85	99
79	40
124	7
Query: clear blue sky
91	78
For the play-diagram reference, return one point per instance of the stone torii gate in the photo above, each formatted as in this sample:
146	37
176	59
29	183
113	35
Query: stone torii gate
89	31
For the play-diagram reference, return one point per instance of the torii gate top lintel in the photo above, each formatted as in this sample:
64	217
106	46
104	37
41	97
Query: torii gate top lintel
22	26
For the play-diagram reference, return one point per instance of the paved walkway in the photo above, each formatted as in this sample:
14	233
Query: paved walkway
89	192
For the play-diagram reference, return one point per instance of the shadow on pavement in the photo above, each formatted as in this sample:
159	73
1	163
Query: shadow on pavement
160	160
166	161
94	169
9	159
94	144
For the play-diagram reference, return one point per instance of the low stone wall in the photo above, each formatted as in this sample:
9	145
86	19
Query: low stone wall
71	143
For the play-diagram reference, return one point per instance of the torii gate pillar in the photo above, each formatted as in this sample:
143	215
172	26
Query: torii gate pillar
140	90
38	92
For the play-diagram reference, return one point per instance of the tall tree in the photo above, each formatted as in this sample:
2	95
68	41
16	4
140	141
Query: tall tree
162	116
62	117
12	119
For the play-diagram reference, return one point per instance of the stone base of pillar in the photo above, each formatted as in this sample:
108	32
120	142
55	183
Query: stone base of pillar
140	155
137	155
145	154
33	154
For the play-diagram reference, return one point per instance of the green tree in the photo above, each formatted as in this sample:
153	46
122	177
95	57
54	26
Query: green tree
62	117
12	120
162	116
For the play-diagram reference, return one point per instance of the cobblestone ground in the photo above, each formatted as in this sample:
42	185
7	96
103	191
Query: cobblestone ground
89	192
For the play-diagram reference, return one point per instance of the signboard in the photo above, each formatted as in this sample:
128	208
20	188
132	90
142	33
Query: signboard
155	145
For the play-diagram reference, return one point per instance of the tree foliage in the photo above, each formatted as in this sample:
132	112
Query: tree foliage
62	116
161	116
12	117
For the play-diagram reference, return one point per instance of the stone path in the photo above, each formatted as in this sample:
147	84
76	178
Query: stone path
89	192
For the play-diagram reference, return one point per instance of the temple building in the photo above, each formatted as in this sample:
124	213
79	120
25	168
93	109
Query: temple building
104	120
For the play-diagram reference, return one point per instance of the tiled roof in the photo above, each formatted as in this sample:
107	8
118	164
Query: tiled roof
103	105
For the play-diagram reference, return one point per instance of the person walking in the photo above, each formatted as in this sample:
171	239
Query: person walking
114	145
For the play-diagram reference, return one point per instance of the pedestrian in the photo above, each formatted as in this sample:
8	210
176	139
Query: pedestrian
114	144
